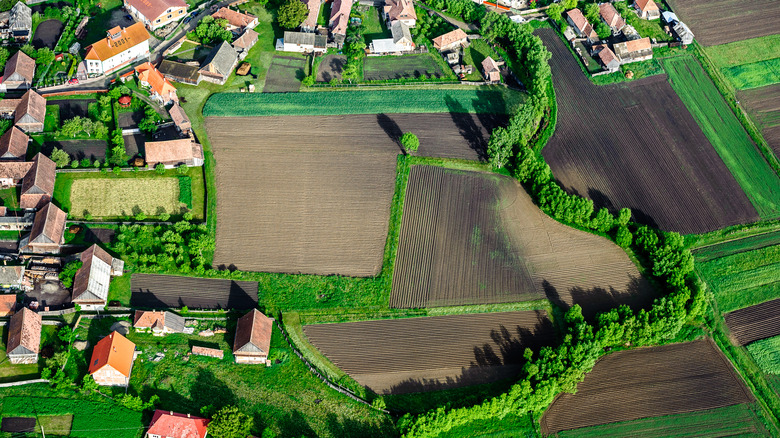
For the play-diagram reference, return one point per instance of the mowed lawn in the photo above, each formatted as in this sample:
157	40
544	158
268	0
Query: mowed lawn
735	147
749	63
377	68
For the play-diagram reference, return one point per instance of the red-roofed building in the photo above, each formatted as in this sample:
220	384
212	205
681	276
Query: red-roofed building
19	72
120	47
169	424
647	9
611	17
237	21
253	338
160	88
339	20
156	13
112	360
581	25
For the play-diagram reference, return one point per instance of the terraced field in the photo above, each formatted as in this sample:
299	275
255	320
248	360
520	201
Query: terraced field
755	322
170	291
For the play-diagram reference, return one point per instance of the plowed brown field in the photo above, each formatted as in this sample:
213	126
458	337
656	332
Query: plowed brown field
649	382
477	238
636	145
419	354
713	21
755	322
312	194
763	104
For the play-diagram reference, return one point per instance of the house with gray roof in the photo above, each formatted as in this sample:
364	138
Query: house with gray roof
159	323
399	43
90	285
302	42
20	23
219	64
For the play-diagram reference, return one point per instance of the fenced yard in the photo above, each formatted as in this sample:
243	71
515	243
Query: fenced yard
379	68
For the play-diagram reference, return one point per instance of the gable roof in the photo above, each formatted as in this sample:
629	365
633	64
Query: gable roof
246	40
108	47
151	9
93	277
400	10
314	11
253	333
646	5
49	225
13	144
606	55
178	115
178	70
611	16
399	30
581	23
489	65
339	16
221	60
114	350
7	304
14	170
638	45
153	319
31	104
449	38
40	179
24	333
234	18
21	64
149	74
179	150
20	17
172	424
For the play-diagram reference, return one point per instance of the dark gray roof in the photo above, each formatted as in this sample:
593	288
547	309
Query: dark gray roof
21	17
400	30
221	59
178	70
303	38
174	322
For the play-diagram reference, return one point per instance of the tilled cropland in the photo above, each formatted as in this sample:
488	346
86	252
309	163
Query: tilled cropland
312	194
649	382
755	322
154	291
478	238
763	105
713	21
636	145
430	353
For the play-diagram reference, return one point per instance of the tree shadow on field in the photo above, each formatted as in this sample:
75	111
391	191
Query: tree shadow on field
347	428
601	200
209	390
467	128
638	294
295	425
392	130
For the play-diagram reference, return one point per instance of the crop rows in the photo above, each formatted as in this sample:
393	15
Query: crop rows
725	21
755	322
763	105
171	291
648	382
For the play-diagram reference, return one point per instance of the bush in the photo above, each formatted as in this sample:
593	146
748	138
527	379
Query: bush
185	191
410	142
69	272
60	157
159	168
230	422
291	14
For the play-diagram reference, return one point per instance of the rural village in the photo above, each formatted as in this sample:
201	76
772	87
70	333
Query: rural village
389	218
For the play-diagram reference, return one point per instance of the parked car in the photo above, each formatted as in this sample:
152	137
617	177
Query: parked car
194	13
187	20
129	17
73	81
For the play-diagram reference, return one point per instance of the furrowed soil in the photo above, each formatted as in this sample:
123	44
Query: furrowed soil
763	105
754	322
478	238
649	382
636	145
431	353
154	291
312	194
713	21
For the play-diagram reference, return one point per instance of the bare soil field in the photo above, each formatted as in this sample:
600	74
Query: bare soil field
331	67
754	322
712	21
284	74
609	146
763	105
71	108
478	238
320	205
47	34
649	382
78	149
431	353
165	291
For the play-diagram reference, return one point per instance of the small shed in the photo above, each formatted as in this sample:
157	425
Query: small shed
125	101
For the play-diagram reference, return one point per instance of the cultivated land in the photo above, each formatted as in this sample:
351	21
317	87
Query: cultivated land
106	198
321	205
490	244
724	21
418	354
745	52
763	105
649	382
331	67
285	74
755	322
166	291
766	353
607	136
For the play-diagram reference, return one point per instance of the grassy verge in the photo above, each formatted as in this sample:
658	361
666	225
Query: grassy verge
119	290
511	426
735	232
51	122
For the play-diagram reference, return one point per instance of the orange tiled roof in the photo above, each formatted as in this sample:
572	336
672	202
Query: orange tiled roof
637	45
107	47
449	38
7	304
114	350
172	424
646	5
235	18
152	9
149	74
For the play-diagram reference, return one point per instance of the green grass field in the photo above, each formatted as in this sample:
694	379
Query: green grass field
728	137
511	426
733	421
766	352
754	75
378	68
745	51
475	100
373	27
742	272
52	121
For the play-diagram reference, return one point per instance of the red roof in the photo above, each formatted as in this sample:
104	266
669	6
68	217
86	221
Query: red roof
114	350
125	100
173	424
152	9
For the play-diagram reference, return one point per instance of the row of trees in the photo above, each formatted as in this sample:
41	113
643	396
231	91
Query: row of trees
83	125
466	10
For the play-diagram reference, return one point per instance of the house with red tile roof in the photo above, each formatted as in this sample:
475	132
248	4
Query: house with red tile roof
38	184
490	70
18	73
159	323
310	23
610	16
160	88
7	304
30	112
156	13
173	153
647	9
90	285
634	50
339	20
169	424
24	337
48	231
253	338
400	10
581	25
180	118
609	61
13	145
112	360
121	47
237	21
451	40
12	172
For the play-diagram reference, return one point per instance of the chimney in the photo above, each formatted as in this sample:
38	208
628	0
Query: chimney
188	415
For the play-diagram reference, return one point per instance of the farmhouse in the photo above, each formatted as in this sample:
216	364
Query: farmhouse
20	23
491	71
611	17
48	231
339	20
24	337
253	338
400	10
159	323
160	89
12	173
156	13
634	50
90	285
237	21
172	153
245	42
121	47
112	360
31	112
581	25
180	72
11	277
38	184
310	23
609	61
219	64
399	43
302	42
13	145
169	424
209	352
19	72
451	40
682	33
7	304
180	118
647	9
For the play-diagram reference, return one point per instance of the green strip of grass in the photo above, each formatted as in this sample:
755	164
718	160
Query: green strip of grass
728	137
511	426
755	74
745	51
766	352
185	191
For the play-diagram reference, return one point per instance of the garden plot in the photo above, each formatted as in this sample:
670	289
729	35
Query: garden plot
111	198
78	149
47	34
755	322
331	67
71	108
763	105
379	68
166	291
725	21
285	74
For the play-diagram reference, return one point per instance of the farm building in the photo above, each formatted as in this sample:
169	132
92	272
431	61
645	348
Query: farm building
669	17
634	50
12	172
30	113
157	13
609	61
237	21
180	118
302	42
339	20
120	48
610	16
24	337
90	285
48	231
219	64
7	304
13	145
246	41
451	40
682	33
160	89
581	25
647	9
172	153
112	360
400	10
180	72
490	70
253	338
11	277
38	184
310	23
159	323
14	222
18	73
209	352
20	23
399	43
169	424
